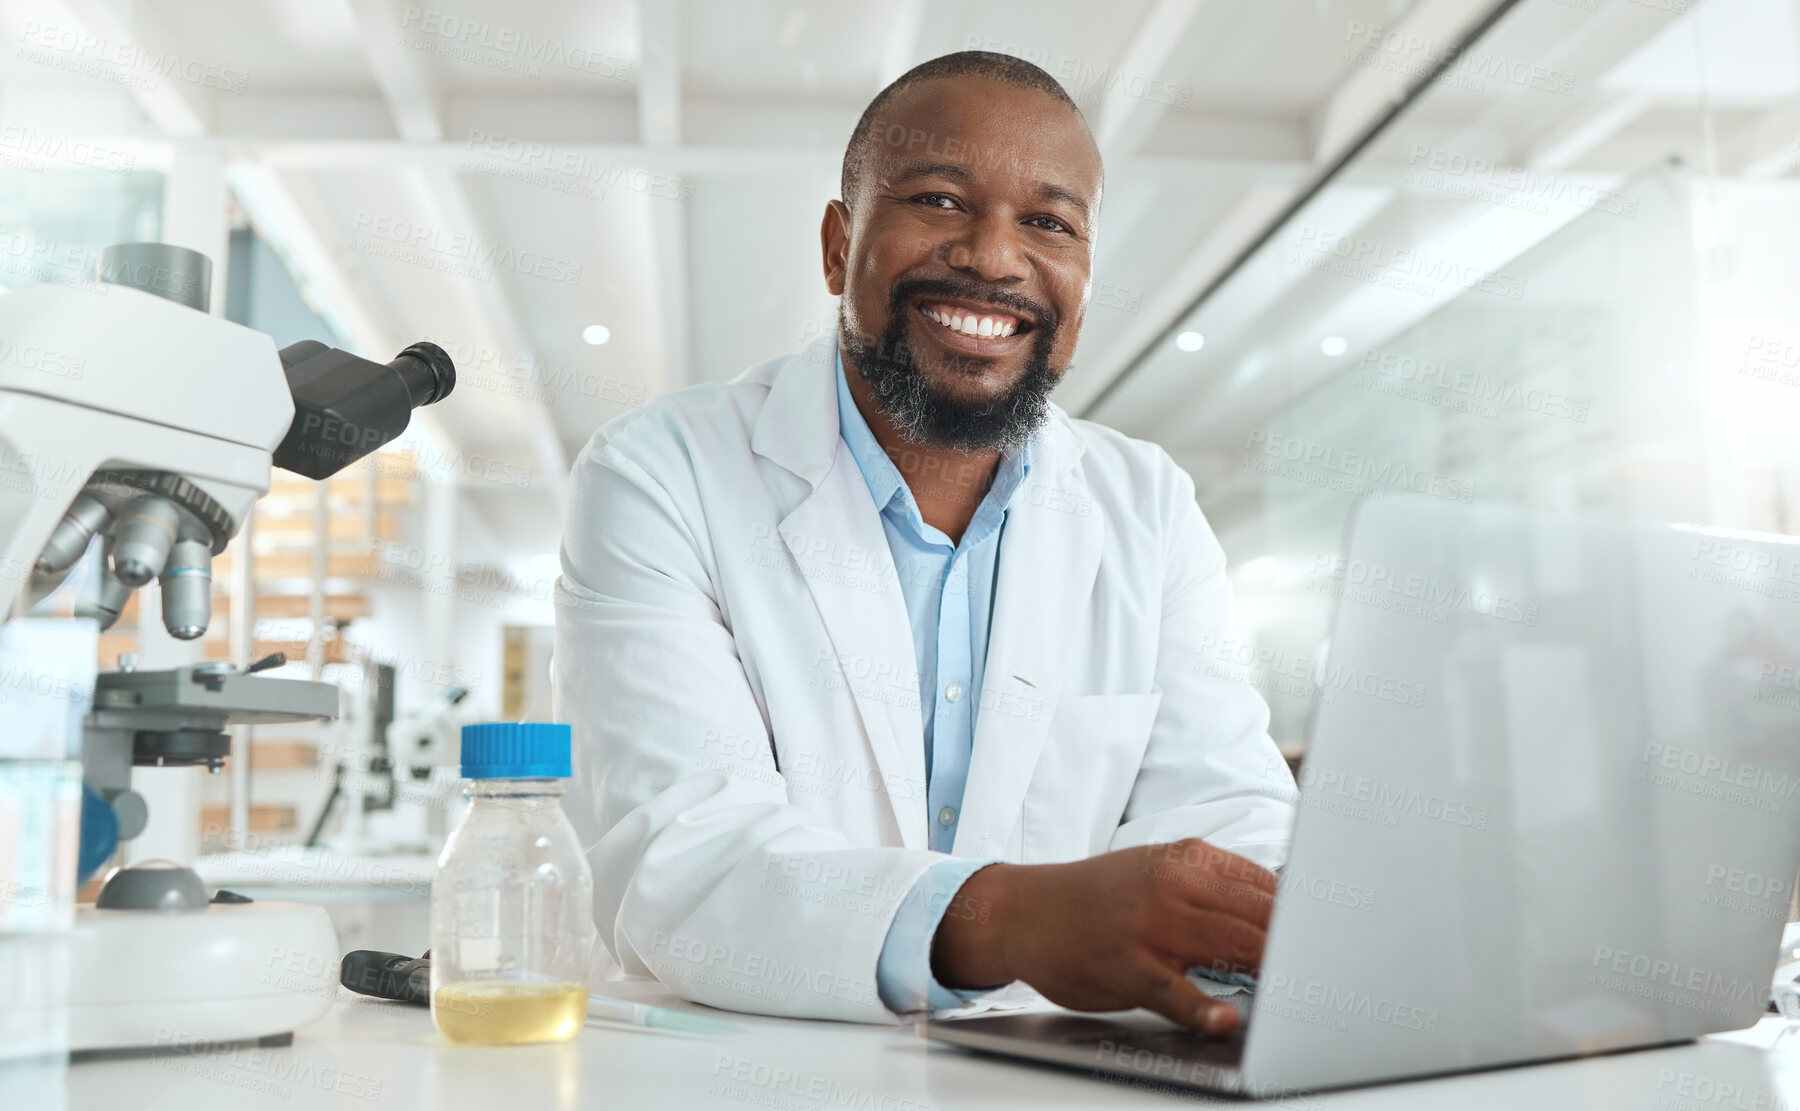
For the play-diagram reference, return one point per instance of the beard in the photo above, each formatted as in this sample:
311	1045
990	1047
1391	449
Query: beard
925	414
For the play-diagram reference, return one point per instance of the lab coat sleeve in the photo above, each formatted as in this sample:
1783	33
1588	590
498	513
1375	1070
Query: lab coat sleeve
705	877
903	973
1210	769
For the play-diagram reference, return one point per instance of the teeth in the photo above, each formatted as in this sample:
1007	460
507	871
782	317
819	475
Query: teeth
985	327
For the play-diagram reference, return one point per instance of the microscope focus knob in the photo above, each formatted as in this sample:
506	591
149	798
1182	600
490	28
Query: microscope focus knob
153	885
132	812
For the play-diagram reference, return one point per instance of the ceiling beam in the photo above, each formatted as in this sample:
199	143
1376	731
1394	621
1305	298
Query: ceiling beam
1372	90
179	109
659	131
659	73
606	161
1126	121
1580	132
714	126
723	160
147	153
322	279
1590	49
905	31
1482	239
1241	225
444	198
1358	108
902	47
414	99
412	96
1769	145
1367	101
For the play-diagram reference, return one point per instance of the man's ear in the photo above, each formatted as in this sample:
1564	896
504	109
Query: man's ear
834	242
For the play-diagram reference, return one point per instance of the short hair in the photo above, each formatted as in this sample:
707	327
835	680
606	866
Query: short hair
963	63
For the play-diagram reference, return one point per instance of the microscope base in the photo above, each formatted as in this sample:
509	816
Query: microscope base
148	979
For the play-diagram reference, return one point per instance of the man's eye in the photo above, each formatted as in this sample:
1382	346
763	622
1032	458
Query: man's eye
936	200
1049	223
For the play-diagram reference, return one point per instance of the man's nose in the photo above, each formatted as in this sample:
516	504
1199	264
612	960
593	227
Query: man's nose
989	249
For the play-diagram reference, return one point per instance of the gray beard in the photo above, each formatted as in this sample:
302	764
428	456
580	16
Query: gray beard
924	415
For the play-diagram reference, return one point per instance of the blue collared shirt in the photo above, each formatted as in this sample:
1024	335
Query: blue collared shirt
949	591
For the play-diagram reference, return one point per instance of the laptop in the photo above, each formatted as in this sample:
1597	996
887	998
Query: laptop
1547	810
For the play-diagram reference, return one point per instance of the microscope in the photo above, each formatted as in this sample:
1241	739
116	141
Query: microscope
140	468
394	779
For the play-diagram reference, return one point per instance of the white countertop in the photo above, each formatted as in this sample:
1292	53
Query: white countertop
372	1054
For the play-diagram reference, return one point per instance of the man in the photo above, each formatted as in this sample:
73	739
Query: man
887	678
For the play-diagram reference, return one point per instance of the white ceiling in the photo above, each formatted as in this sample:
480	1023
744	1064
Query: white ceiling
532	129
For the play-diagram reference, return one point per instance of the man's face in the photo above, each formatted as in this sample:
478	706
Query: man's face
976	213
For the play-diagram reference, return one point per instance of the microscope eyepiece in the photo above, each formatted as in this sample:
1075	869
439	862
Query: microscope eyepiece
427	371
346	406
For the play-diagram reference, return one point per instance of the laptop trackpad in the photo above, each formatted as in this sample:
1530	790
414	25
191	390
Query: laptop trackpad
1112	1042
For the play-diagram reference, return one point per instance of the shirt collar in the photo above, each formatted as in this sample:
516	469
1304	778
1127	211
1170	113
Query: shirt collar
878	470
884	479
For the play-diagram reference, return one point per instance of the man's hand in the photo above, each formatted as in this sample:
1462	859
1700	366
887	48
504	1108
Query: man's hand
1112	932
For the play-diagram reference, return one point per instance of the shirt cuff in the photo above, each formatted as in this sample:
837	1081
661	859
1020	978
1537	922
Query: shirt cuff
903	971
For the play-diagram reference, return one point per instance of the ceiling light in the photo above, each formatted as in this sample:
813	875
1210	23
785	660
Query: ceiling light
1190	341
596	334
1333	346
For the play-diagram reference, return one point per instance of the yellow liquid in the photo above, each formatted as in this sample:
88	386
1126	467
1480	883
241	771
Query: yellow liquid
509	1012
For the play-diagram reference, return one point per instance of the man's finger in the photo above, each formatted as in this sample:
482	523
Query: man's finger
1210	891
1216	941
1248	871
1197	854
1171	996
1185	894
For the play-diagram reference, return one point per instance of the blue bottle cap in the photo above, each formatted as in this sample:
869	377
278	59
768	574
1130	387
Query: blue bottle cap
515	750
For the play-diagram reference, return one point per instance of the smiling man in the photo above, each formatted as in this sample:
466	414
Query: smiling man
892	685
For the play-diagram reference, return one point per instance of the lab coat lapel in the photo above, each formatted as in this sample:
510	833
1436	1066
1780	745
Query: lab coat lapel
1049	556
841	551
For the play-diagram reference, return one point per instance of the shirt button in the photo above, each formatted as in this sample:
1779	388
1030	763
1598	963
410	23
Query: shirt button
947	816
953	692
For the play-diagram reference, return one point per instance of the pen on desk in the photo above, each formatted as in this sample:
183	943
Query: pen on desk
641	1014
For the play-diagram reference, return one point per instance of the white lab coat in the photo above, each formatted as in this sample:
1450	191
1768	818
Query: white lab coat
733	652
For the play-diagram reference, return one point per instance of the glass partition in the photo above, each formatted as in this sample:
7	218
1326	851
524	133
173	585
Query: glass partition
1575	396
1555	278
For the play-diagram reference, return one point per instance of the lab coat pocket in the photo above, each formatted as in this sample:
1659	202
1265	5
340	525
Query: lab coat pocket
1085	774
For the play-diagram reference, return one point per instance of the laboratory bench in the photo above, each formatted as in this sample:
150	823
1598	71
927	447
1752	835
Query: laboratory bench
372	1054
